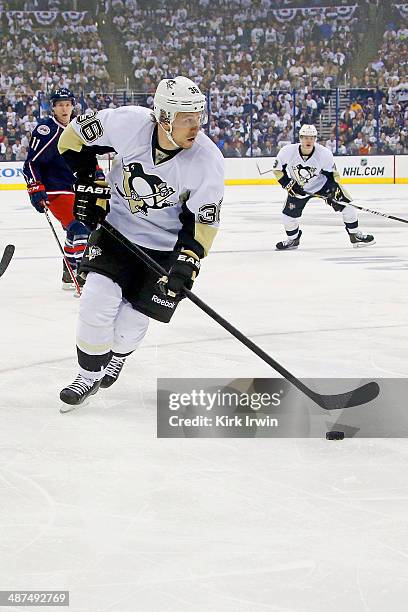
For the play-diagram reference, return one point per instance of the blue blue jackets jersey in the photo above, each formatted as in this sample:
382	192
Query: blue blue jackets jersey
44	163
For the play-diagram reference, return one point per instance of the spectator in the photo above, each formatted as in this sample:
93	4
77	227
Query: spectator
331	143
22	154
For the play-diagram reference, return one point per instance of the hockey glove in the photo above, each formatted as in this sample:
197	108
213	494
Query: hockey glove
334	196
295	190
182	274
38	196
91	201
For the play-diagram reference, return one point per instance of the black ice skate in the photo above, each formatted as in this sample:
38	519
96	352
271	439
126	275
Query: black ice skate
79	390
67	282
289	243
358	239
113	369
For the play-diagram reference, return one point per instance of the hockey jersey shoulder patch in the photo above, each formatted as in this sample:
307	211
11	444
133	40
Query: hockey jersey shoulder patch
44	130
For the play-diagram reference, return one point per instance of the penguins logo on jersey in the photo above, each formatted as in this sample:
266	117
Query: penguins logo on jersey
144	192
94	251
304	174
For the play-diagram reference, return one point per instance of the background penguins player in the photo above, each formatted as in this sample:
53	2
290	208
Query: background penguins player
50	180
167	184
305	170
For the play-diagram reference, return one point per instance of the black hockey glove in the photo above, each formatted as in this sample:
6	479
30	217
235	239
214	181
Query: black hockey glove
182	274
91	201
334	196
295	190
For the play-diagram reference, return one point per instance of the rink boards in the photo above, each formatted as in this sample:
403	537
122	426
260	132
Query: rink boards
361	170
390	169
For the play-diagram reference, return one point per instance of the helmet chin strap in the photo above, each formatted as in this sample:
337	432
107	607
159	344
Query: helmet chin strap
169	136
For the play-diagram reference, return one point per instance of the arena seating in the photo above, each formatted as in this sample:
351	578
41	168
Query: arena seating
265	69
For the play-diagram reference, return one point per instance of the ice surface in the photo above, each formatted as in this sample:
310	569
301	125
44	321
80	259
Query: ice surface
94	503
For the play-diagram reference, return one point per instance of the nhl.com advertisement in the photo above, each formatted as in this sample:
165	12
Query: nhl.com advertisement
364	169
369	167
352	169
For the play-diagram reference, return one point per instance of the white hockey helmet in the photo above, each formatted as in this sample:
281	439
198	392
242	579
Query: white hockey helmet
308	130
178	95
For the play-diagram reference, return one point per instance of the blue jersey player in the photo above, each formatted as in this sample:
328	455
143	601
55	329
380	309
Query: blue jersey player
50	180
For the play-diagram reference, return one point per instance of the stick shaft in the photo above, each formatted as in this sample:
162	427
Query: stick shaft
212	313
68	265
375	212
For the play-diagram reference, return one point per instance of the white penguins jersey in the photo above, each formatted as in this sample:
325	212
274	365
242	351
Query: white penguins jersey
152	202
307	171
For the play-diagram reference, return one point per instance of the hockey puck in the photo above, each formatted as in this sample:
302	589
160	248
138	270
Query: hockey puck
335	435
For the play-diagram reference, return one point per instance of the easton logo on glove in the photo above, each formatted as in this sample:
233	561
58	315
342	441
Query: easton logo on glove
91	202
94	189
192	261
182	274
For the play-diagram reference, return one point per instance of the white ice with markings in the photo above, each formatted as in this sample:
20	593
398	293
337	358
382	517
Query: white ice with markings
94	503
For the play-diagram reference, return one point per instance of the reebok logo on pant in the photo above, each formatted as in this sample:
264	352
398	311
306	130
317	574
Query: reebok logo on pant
165	303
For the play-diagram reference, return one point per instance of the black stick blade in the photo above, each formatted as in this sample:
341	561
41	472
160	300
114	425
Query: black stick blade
7	255
361	395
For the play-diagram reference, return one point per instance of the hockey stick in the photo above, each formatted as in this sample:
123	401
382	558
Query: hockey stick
68	266
375	212
358	396
260	171
6	258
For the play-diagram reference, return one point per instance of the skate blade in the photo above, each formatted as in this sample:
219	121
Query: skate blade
77	295
359	245
71	407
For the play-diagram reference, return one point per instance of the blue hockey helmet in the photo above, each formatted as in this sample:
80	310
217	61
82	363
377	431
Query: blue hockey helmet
62	94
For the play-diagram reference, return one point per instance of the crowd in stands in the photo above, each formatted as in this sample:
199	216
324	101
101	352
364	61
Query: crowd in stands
236	43
377	121
18	118
44	5
390	67
68	54
260	124
264	74
371	128
246	56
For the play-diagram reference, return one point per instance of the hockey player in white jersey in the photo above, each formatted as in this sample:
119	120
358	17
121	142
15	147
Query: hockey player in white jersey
165	190
306	170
